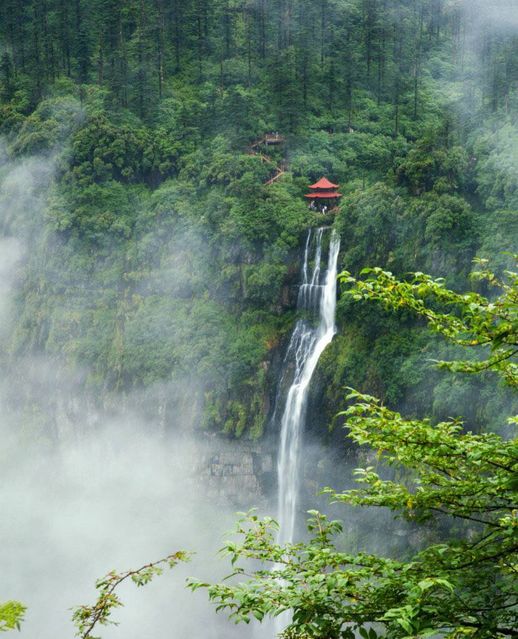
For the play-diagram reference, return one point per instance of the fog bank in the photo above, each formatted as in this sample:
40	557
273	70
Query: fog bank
84	490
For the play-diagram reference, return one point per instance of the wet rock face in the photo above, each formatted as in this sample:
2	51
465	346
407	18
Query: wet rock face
237	474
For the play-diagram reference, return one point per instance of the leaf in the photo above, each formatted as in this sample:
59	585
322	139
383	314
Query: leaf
432	582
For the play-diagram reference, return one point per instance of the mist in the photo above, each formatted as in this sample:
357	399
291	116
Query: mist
114	500
87	489
501	15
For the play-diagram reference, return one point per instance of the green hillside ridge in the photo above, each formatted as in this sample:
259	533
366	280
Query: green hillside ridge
162	258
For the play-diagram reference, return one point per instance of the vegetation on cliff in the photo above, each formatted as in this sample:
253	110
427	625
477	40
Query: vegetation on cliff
160	255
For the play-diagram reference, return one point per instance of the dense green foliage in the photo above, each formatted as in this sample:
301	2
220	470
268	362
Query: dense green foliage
462	581
160	256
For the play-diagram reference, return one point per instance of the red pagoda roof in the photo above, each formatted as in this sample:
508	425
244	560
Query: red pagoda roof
324	183
329	195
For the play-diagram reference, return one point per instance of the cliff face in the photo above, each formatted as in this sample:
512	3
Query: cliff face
236	473
161	296
157	268
177	302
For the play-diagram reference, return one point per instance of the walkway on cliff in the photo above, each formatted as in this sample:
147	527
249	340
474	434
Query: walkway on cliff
269	139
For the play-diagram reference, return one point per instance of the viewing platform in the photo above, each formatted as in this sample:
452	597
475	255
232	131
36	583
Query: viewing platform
274	139
269	139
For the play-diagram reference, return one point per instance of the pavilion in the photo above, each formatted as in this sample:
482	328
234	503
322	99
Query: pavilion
324	195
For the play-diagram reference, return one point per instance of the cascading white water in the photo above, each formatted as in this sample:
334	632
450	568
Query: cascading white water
308	341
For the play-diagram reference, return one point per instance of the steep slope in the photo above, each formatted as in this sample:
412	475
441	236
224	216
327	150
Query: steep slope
160	267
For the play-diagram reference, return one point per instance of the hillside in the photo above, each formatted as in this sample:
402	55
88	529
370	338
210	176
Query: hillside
176	340
159	261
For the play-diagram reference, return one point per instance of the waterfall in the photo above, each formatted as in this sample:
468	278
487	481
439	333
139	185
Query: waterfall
310	336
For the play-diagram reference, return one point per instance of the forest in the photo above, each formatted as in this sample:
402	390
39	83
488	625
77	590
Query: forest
163	251
147	109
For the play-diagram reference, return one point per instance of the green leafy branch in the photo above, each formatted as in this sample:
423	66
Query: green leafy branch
86	618
462	474
471	320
